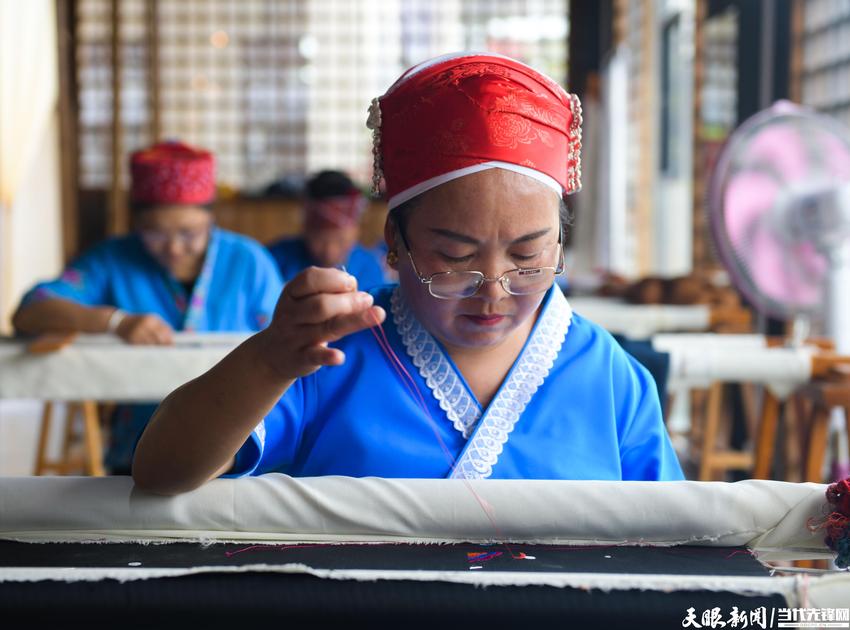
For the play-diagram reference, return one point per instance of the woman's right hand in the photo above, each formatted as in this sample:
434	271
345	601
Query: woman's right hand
146	329
317	306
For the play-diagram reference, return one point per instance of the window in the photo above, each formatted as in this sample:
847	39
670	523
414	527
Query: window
826	57
279	87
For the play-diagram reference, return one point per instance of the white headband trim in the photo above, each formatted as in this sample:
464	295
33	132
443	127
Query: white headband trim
406	195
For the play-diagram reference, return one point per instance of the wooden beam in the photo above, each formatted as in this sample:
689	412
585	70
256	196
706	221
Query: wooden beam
795	80
117	223
68	130
700	234
152	32
619	19
645	203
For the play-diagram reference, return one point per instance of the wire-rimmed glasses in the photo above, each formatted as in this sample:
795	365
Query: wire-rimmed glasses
452	285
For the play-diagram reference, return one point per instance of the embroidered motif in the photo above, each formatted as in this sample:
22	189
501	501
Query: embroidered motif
531	369
523	104
441	378
74	277
454	75
510	130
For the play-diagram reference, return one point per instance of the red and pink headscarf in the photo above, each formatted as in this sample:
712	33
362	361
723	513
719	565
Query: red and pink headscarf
467	112
334	212
172	173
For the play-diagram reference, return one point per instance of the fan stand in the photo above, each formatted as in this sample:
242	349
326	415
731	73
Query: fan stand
801	328
838	327
838	297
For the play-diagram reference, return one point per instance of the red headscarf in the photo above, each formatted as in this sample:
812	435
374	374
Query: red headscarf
172	173
334	212
458	114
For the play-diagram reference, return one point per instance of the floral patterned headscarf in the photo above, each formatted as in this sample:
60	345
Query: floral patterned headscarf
467	112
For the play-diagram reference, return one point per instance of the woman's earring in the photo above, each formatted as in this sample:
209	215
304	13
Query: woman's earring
392	258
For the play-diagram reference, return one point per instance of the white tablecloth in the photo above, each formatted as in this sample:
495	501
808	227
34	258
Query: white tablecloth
639	321
699	360
101	367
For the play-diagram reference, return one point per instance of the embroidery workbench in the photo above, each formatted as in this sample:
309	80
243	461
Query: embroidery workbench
638	554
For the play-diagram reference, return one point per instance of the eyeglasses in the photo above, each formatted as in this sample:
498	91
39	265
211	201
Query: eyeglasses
452	285
190	239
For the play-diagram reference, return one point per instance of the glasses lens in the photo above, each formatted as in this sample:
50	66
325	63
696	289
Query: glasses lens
527	281
189	239
455	284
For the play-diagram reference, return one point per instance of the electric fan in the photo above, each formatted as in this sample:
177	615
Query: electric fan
779	210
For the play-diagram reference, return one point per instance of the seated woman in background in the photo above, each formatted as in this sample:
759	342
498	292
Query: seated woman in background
333	206
480	368
175	271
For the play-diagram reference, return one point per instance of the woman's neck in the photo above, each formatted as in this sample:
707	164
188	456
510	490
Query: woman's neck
486	368
190	274
191	270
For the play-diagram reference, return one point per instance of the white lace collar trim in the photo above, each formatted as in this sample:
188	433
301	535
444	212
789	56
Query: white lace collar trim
528	373
436	370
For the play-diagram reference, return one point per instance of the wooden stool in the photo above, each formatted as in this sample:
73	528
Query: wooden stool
715	462
813	403
822	397
91	461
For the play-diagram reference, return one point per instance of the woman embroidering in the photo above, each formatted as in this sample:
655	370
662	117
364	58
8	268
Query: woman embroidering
477	152
176	271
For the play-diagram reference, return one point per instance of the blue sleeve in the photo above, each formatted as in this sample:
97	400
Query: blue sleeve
273	444
266	291
84	281
646	452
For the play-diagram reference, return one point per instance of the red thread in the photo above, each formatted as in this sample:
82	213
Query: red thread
410	384
230	554
838	494
483	556
837	522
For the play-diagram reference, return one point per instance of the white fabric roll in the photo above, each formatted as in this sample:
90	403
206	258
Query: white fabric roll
639	321
780	369
102	367
676	342
771	514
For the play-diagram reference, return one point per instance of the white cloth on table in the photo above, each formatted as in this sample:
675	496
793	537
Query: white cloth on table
699	360
102	367
639	321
